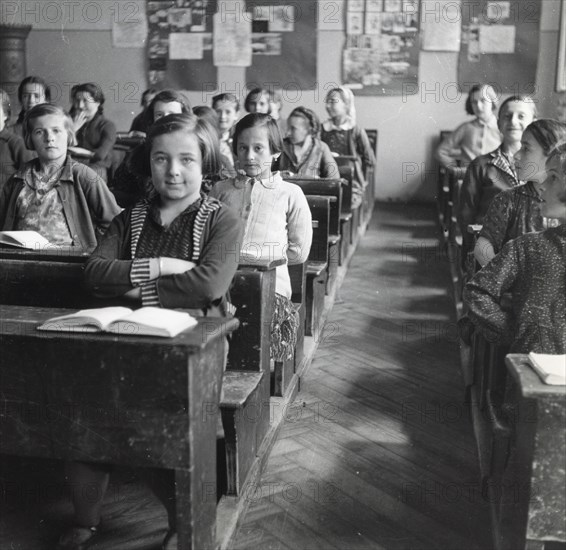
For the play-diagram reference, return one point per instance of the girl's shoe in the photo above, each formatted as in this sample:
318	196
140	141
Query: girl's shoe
77	538
170	540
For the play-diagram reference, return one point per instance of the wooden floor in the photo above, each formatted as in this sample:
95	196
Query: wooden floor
376	452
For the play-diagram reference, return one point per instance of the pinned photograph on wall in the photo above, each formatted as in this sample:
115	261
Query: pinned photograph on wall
497	12
266	44
356	5
283	19
387	20
156	77
373	23
392	5
390	43
374	5
158	47
179	20
260	19
399	23
473	38
185	45
354	23
232	40
497	38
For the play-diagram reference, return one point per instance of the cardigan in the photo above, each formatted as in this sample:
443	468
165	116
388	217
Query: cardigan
99	136
88	205
533	269
13	154
277	221
108	271
470	140
318	162
485	177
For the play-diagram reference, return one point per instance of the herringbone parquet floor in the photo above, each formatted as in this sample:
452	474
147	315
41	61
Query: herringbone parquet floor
377	452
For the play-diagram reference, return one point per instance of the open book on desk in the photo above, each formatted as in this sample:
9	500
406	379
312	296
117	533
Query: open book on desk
146	321
24	239
550	368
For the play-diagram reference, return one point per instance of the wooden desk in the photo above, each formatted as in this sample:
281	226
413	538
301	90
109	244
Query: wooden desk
121	400
533	507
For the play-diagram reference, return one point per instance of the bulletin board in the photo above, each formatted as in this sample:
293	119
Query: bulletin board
500	44
180	44
381	54
284	44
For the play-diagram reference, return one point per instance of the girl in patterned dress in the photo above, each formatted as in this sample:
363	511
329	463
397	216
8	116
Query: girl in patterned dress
63	200
533	269
514	212
177	249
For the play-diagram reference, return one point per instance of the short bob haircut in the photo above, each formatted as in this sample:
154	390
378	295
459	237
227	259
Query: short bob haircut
547	133
256	93
91	88
524	99
486	89
167	96
227	98
34	80
207	138
6	107
311	118
207	113
43	110
259	120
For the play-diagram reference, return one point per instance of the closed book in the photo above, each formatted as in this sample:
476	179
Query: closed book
550	368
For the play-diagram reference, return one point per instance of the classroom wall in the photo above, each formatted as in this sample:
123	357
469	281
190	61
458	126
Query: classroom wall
408	126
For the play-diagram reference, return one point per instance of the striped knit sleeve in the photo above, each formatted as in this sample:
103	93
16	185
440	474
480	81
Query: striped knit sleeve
140	272
149	295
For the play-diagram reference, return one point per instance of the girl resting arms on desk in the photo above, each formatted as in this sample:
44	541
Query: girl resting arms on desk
61	199
275	214
178	249
533	269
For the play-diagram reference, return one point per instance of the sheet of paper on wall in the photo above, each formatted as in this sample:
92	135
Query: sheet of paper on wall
185	45
331	15
356	5
129	25
442	34
282	19
392	5
374	5
497	38
354	22
497	12
232	40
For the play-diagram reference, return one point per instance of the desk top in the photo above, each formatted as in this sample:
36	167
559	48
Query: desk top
24	320
55	254
528	380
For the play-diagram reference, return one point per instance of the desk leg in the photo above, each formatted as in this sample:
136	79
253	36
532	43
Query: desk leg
196	513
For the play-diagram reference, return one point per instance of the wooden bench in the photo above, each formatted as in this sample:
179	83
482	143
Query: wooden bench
136	401
369	198
328	188
346	166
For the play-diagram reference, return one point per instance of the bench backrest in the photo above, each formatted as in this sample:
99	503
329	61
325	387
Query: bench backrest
320	211
326	187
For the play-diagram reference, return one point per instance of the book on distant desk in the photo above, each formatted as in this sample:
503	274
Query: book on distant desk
24	239
550	368
146	321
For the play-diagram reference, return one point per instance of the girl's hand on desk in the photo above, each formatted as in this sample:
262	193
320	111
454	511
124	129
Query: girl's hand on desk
174	266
